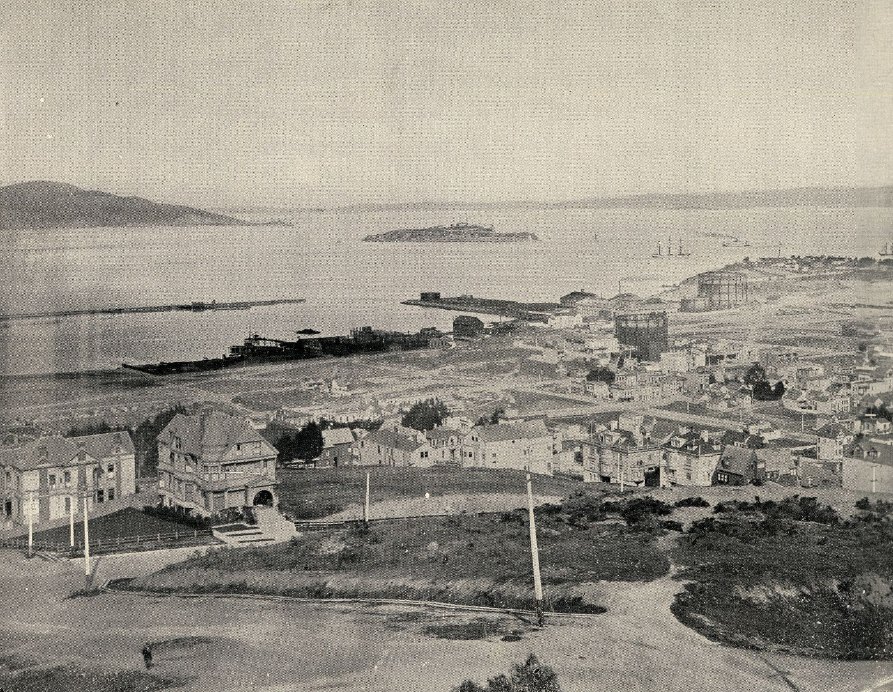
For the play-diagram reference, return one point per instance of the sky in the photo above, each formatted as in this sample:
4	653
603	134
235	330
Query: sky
306	103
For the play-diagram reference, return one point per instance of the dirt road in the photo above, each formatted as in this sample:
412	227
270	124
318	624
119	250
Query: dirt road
223	643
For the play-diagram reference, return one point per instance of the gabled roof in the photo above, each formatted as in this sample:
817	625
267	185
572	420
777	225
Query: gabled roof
395	440
210	434
336	436
503	432
833	431
56	450
444	434
737	460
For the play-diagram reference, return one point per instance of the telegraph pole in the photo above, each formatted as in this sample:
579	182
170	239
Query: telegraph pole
71	507
535	557
621	476
30	523
87	566
366	503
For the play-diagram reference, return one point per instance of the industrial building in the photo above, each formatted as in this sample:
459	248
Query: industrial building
645	333
467	327
718	291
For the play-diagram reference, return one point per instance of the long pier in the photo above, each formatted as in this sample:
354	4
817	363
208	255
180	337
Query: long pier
185	307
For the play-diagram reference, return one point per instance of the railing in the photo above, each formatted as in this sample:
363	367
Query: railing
149	541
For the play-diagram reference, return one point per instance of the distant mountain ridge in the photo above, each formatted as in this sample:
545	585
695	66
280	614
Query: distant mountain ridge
44	204
879	196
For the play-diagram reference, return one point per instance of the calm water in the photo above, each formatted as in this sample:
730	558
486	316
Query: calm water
349	283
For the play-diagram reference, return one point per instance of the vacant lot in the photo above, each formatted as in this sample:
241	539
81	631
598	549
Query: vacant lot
481	560
315	493
793	577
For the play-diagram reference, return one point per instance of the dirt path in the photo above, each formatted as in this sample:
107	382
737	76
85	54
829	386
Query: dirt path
253	644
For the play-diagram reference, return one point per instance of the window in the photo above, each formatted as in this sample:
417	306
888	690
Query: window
100	495
67	504
67	478
111	494
111	470
52	480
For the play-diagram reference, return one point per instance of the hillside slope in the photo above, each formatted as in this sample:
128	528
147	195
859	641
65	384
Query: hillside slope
43	204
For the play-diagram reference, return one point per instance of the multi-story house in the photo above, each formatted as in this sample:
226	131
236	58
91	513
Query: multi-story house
625	451
394	447
48	477
337	447
691	459
446	445
832	439
211	461
528	446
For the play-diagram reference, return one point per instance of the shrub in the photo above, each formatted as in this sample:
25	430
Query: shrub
671	525
530	676
692	502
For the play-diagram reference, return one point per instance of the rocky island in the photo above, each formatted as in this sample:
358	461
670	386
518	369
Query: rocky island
457	233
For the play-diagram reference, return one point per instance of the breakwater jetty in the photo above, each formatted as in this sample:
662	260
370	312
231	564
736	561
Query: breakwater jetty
532	312
196	306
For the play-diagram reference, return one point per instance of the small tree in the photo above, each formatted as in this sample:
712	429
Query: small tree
601	374
425	415
755	373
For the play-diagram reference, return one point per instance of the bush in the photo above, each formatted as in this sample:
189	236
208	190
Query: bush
692	502
638	510
174	515
671	525
530	676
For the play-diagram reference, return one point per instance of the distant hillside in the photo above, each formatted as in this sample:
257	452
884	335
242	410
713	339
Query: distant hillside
42	204
794	197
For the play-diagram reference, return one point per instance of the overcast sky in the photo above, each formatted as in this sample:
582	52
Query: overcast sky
336	102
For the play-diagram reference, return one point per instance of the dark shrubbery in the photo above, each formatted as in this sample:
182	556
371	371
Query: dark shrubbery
794	508
671	525
691	502
638	510
880	509
530	676
171	514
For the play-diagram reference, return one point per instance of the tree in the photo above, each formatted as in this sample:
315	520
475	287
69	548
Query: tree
145	438
425	415
305	444
497	415
601	374
755	373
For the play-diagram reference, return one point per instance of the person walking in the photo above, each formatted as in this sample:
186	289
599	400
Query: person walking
147	655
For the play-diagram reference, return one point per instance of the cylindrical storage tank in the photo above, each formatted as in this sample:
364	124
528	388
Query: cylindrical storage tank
723	290
647	333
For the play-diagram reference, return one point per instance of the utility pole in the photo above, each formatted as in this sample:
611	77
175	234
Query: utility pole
621	476
366	503
535	557
87	566
71	507
30	523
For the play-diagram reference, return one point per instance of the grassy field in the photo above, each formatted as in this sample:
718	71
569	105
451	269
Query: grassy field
129	523
481	560
790	576
315	493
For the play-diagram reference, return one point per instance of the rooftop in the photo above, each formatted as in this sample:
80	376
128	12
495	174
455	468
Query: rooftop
46	452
